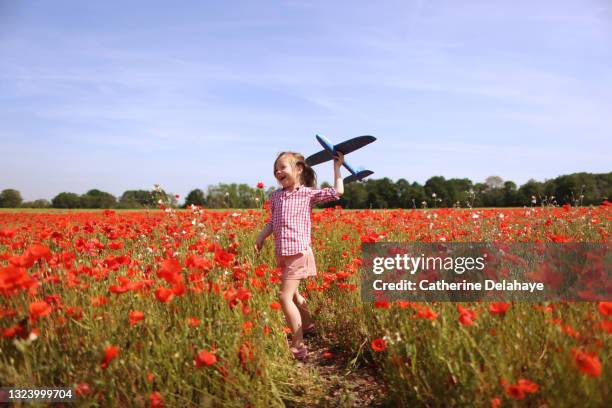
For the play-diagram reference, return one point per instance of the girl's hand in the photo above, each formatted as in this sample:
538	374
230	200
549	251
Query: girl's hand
338	160
258	245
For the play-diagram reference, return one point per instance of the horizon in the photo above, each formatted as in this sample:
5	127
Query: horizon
182	196
120	96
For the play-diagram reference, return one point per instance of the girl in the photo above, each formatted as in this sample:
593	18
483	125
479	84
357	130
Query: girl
291	208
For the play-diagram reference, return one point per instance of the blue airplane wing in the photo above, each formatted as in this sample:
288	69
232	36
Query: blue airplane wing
353	144
345	147
318	158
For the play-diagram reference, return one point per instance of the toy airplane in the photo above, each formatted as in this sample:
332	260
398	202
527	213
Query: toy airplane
329	151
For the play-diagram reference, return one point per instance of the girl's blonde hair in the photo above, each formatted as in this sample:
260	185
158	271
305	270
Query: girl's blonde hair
308	176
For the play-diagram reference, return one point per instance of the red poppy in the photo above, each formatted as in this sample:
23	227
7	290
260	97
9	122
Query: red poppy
499	308
178	289
247	327
115	245
400	303
223	258
156	400
521	388
170	271
275	306
13	279
164	295
605	308
13	331
98	301
194	261
382	304
193	322
75	312
371	237
118	289
427	313
110	353
39	309
466	319
245	354
589	364
515	391
40	251
379	345
135	316
528	386
82	389
606	325
466	316
205	358
260	185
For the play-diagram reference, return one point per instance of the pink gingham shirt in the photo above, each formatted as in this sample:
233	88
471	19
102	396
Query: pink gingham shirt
291	212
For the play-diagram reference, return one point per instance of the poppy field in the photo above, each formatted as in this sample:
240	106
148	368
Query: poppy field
174	308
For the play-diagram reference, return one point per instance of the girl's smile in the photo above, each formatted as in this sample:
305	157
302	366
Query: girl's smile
286	175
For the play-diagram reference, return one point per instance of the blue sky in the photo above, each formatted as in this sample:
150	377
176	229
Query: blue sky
121	95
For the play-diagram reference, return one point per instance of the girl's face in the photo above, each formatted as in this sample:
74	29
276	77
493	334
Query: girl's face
286	174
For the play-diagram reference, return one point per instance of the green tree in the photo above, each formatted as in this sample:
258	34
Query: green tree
530	193
510	194
382	193
40	203
494	182
66	200
402	186
578	188
195	197
10	198
458	190
410	195
137	199
355	196
603	183
98	199
436	191
231	196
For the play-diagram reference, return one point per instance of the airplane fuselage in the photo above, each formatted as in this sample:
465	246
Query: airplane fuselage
329	146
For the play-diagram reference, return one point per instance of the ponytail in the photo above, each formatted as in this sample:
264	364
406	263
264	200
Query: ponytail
309	177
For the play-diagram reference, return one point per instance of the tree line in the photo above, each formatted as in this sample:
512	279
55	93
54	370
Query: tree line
131	199
574	189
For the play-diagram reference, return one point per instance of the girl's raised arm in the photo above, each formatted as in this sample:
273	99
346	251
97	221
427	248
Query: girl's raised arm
338	182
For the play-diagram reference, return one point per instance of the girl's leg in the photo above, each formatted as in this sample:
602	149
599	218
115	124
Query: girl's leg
292	313
302	306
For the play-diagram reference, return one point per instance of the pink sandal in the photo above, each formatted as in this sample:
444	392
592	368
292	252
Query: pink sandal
299	353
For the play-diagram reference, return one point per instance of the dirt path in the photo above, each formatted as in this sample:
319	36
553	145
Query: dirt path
342	385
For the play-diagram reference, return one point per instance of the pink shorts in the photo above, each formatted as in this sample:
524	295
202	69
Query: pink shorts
298	266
